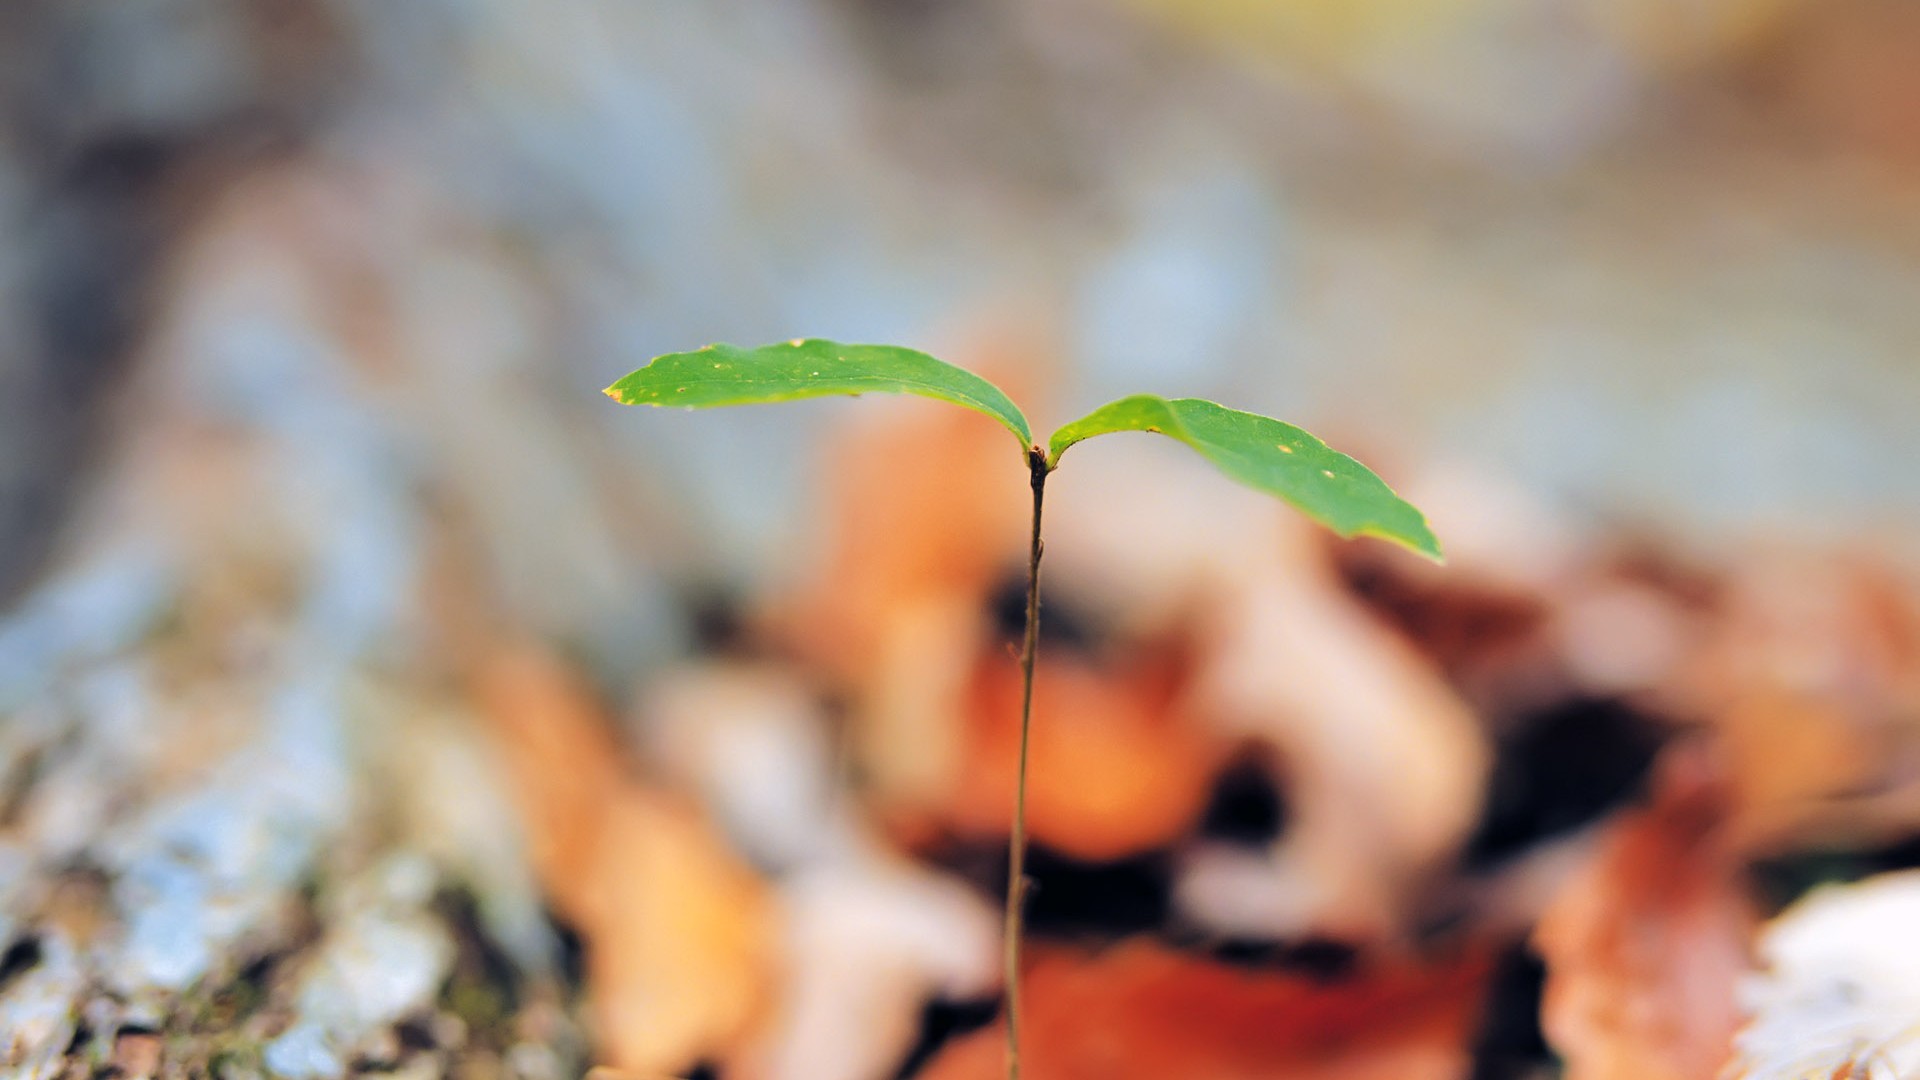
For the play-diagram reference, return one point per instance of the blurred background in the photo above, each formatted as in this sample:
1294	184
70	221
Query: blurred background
377	697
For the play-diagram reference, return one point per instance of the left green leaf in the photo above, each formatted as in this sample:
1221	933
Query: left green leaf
807	368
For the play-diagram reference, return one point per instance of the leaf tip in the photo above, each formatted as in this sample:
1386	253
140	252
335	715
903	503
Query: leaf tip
1420	542
1427	546
617	394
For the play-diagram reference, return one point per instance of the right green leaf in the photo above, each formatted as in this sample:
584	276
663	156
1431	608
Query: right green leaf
1277	458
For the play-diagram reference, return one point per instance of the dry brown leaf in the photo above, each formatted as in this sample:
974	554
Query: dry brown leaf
871	939
680	939
1811	680
928	519
1235	631
924	518
563	761
868	938
1789	754
1142	1011
751	739
1114	771
1847	77
1386	764
1819	622
679	931
1645	945
934	508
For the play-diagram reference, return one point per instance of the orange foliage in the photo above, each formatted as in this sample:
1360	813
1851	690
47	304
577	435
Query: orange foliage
678	929
1142	1011
1644	945
927	520
932	509
1114	770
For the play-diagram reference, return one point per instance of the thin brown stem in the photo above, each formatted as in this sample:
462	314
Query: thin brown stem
1017	844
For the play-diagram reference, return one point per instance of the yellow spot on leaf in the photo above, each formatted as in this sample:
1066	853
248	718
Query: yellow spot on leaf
1283	448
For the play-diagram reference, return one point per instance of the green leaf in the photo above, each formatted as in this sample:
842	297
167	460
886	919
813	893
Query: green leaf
1280	459
807	368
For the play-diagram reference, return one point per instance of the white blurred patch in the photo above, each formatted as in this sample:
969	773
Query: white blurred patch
1841	985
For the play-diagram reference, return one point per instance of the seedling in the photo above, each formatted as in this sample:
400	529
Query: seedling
1279	459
